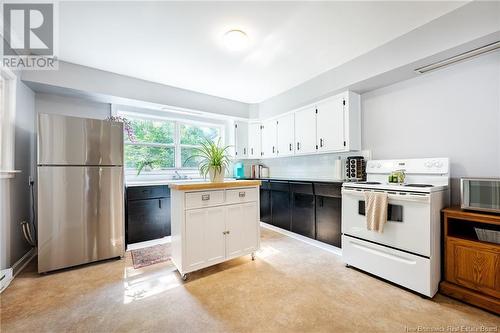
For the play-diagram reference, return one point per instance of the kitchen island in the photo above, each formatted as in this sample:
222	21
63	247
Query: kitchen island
213	222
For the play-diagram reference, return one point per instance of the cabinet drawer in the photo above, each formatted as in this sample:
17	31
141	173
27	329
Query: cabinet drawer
147	192
204	199
333	190
241	195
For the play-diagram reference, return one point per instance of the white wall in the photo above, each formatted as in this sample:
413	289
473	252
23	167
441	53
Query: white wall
453	112
119	89
15	201
472	25
71	106
319	166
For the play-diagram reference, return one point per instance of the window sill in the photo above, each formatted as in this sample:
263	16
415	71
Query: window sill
6	174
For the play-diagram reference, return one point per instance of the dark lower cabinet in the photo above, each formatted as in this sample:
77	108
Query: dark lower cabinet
265	202
328	214
310	209
303	212
147	213
280	204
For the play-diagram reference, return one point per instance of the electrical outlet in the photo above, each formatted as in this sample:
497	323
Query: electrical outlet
31	181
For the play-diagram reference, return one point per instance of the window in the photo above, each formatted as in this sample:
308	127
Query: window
166	144
190	137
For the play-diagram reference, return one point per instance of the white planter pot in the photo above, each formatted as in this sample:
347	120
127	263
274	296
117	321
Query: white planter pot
216	177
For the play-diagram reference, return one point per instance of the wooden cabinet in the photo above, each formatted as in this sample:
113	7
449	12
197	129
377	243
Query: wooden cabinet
265	201
147	213
285	135
240	224
472	266
222	226
328	213
254	140
269	137
241	139
303	213
280	204
330	124
305	131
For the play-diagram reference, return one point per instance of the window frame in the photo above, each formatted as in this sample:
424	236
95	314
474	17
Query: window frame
7	123
176	145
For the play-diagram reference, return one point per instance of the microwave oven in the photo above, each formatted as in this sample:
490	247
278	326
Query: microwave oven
481	194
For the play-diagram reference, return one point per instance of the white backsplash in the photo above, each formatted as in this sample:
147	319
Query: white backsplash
320	166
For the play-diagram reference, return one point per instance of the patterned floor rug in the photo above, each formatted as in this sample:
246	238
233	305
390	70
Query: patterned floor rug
150	255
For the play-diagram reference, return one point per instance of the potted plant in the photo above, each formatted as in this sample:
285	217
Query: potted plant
214	160
146	163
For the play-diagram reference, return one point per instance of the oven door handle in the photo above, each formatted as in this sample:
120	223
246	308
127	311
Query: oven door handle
402	197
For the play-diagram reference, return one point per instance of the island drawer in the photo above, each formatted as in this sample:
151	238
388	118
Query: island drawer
241	195
204	199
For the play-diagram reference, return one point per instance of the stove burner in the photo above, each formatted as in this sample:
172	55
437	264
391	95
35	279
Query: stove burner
419	185
369	183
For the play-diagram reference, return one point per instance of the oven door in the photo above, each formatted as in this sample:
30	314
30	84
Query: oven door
409	222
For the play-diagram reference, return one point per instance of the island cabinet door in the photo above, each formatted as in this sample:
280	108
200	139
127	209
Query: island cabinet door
205	241
242	229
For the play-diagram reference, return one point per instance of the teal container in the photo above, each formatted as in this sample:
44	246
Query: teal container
239	171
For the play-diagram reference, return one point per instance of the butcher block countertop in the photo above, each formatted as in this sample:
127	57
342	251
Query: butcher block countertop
203	185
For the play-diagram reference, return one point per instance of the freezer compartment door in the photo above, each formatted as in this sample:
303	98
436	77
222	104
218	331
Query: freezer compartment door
80	215
66	140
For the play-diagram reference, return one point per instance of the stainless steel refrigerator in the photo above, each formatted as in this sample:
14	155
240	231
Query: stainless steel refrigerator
80	191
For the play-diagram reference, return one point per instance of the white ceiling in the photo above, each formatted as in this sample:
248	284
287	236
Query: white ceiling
179	43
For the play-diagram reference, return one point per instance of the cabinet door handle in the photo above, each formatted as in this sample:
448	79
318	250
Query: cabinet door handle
244	151
205	197
298	145
251	151
159	203
241	194
321	142
290	147
273	149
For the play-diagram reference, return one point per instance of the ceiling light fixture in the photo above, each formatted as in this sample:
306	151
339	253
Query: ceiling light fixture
236	40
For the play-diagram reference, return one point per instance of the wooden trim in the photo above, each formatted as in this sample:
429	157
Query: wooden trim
208	185
469	296
473	217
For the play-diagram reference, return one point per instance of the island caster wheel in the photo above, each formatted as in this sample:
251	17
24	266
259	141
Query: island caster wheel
184	277
253	255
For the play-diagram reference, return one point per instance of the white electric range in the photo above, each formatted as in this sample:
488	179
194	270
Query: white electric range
408	251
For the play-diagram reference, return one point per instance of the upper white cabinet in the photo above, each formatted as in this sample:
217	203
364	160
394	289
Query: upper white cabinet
254	140
330	125
285	135
241	139
330	132
269	139
305	131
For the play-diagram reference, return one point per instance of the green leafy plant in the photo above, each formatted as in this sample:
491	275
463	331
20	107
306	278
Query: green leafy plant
144	162
212	156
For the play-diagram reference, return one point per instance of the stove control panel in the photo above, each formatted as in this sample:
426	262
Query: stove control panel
415	166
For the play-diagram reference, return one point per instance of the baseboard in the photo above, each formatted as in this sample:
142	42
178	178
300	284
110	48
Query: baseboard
25	260
313	242
5	278
9	274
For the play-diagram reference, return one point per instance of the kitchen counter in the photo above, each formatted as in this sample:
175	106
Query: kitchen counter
310	180
166	182
204	185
